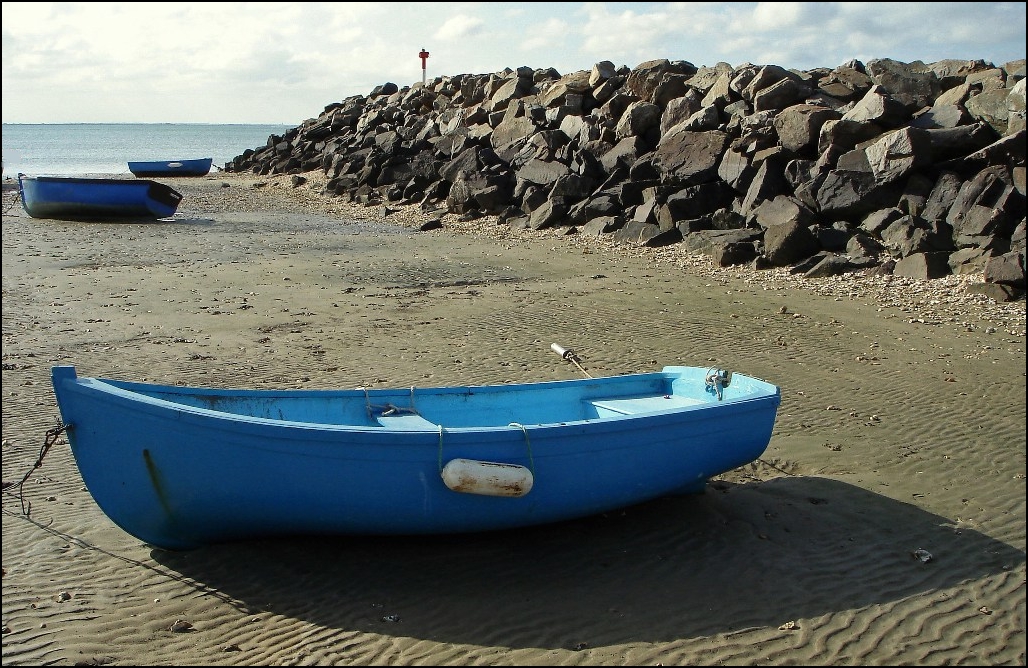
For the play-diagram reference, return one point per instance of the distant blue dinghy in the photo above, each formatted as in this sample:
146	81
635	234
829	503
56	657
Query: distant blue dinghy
77	198
183	467
159	168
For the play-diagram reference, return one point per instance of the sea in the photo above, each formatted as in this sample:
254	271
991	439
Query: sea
77	149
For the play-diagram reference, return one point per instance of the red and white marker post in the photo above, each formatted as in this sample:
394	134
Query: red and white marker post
424	64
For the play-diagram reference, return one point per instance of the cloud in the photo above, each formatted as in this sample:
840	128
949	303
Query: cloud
284	62
544	35
459	27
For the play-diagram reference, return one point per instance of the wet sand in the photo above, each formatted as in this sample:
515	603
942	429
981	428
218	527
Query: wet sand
901	429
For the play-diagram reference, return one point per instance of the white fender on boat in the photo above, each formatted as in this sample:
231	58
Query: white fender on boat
472	476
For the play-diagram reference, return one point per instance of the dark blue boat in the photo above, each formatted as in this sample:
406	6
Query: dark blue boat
198	167
180	467
79	198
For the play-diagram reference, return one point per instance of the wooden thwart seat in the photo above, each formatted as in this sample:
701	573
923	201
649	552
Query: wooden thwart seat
641	404
406	422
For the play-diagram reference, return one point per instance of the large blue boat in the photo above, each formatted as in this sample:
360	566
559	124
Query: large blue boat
80	198
159	168
182	467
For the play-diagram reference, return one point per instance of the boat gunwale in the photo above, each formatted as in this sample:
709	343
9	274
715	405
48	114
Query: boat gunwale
123	391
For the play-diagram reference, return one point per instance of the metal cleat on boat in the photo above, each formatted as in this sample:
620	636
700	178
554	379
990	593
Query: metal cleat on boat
717	380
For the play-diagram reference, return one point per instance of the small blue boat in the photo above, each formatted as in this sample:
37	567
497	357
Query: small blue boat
183	467
79	198
159	168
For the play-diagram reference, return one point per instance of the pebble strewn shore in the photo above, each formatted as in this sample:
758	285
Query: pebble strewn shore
941	301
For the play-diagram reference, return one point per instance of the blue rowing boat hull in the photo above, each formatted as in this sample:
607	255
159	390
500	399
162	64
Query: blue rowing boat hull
159	168
181	467
79	198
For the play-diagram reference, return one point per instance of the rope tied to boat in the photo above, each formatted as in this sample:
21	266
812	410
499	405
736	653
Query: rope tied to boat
15	200
49	439
528	446
570	356
388	408
440	460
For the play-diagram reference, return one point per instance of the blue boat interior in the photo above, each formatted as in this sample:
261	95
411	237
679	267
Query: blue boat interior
421	409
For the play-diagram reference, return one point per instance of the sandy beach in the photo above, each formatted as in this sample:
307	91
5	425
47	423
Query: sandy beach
901	433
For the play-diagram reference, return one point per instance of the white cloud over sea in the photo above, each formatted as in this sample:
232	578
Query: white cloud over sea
260	62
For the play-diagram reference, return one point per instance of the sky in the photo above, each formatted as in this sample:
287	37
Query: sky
284	62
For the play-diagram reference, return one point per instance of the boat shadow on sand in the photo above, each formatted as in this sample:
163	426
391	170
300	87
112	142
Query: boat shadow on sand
128	222
740	556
